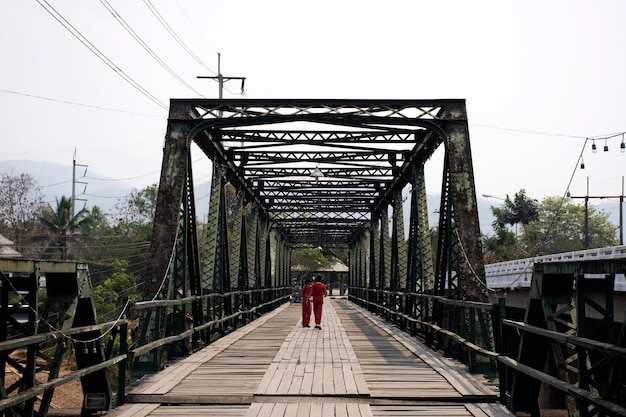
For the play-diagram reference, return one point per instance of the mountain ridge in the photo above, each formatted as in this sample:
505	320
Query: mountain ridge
55	180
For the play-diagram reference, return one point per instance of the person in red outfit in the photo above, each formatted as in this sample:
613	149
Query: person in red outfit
306	303
318	292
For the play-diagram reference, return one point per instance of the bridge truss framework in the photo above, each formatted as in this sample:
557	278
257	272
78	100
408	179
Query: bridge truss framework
327	173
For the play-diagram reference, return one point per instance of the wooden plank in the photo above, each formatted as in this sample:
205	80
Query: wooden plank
365	410
281	369
394	364
304	410
133	410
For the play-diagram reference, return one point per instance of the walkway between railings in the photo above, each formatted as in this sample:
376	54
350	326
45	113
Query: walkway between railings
357	365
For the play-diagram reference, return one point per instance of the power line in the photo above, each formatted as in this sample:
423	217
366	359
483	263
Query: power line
169	29
196	28
124	179
221	79
529	131
76	104
145	46
82	39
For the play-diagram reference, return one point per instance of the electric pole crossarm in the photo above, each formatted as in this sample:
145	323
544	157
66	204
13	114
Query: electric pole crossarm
221	79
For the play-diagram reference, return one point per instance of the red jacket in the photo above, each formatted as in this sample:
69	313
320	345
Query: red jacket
306	292
318	291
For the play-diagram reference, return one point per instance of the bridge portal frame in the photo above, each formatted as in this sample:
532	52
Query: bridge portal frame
349	217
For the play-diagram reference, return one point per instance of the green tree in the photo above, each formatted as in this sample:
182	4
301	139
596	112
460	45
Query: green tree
21	204
111	294
521	210
135	214
561	228
59	227
131	229
307	259
95	221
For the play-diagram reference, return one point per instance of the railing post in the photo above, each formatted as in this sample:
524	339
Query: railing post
121	370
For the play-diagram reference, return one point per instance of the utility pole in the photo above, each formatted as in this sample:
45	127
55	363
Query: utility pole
74	182
221	79
621	213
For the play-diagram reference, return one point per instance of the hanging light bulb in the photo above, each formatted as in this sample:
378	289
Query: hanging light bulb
85	350
606	145
594	149
582	163
317	173
93	349
622	146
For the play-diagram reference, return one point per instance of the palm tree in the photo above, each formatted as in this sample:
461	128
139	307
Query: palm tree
60	225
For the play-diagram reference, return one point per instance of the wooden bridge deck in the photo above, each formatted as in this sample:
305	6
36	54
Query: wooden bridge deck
357	365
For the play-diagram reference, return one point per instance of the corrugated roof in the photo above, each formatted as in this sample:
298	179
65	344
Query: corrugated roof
5	242
8	252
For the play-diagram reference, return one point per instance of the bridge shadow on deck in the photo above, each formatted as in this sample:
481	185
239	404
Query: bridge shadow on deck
356	365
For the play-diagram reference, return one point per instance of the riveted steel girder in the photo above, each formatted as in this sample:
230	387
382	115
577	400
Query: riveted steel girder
327	173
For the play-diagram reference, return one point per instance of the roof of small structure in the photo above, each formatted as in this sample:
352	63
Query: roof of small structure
6	251
5	242
334	267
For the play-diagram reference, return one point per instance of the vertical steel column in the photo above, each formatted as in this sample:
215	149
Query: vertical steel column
218	266
374	260
236	238
185	278
398	261
465	210
398	245
420	271
164	234
267	264
243	278
255	259
365	260
385	261
239	254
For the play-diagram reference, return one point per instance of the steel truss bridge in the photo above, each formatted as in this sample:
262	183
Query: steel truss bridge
327	173
336	174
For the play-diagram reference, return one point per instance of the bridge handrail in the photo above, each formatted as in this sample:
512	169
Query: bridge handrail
41	388
120	328
443	300
140	305
567	338
607	406
56	334
520	265
175	338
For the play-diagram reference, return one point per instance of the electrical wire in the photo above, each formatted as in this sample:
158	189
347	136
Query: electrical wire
122	179
552	225
197	30
82	39
78	104
171	31
54	329
145	46
528	131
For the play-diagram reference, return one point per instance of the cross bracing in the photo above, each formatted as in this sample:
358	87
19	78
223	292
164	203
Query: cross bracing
321	173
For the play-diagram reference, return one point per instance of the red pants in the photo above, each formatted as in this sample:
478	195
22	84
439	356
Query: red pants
306	311
317	310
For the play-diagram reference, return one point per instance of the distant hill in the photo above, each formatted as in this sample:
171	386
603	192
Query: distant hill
55	180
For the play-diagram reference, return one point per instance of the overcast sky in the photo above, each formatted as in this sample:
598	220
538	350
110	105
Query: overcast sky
539	77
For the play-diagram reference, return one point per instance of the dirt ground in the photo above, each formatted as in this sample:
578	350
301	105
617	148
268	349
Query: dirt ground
67	396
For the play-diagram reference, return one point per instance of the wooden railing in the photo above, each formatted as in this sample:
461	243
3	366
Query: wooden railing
100	339
400	308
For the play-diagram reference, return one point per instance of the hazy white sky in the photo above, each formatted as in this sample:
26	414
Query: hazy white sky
539	76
